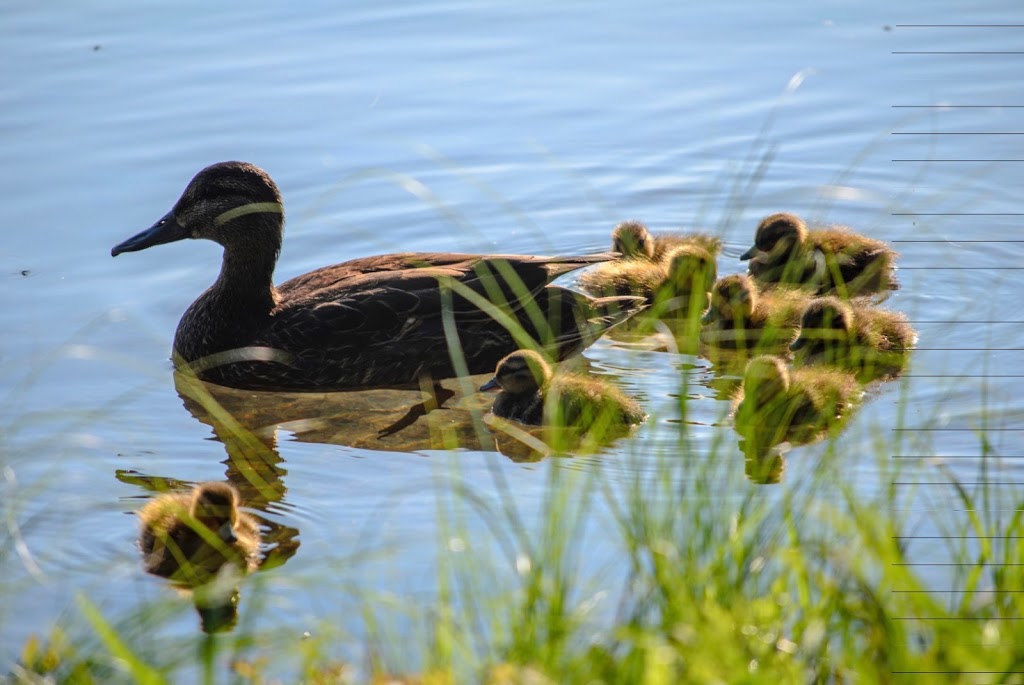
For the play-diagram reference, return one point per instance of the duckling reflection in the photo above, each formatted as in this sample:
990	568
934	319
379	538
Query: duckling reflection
741	317
831	260
532	394
873	343
200	541
776	403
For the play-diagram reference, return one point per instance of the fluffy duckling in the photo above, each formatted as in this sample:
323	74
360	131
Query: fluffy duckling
742	317
679	281
873	343
633	241
528	387
776	403
188	537
831	260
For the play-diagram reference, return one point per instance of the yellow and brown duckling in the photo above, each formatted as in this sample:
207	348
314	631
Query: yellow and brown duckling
776	403
742	317
675	285
873	343
830	260
532	394
369	322
632	240
188	537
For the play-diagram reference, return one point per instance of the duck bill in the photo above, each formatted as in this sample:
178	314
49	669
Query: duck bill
748	254
166	230
798	344
490	385
709	317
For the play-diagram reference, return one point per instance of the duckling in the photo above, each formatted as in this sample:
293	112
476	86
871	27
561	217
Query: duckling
188	537
528	388
776	403
677	283
742	317
370	322
874	343
632	240
832	260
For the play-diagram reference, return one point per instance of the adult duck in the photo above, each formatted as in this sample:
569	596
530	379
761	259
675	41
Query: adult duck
831	260
873	343
533	394
390	320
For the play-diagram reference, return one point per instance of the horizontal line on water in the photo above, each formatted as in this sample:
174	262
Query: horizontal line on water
994	592
956	563
956	214
957	537
946	482
965	321
958	106
957	429
957	349
958	456
961	268
957	26
1009	159
954	240
956	133
958	52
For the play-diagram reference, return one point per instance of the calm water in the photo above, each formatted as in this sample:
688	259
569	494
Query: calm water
501	127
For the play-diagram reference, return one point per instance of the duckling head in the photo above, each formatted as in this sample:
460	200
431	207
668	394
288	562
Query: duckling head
765	380
520	373
633	241
210	207
733	298
826	321
777	236
215	505
690	271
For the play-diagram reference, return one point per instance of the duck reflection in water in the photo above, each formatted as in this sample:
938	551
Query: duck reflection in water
204	544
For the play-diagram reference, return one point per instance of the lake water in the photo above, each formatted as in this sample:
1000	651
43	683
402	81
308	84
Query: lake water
491	127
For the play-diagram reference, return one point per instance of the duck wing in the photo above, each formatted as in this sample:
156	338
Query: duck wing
339	327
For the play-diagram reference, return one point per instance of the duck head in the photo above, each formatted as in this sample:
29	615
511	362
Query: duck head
215	505
690	275
733	298
826	323
777	235
520	373
212	207
633	241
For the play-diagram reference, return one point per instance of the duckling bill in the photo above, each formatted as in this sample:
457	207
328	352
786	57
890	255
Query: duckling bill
381	321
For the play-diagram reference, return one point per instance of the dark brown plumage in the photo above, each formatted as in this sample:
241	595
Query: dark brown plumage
833	260
776	403
873	343
188	537
528	387
369	322
742	317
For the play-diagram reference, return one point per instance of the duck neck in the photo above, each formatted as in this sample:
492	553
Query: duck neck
247	270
